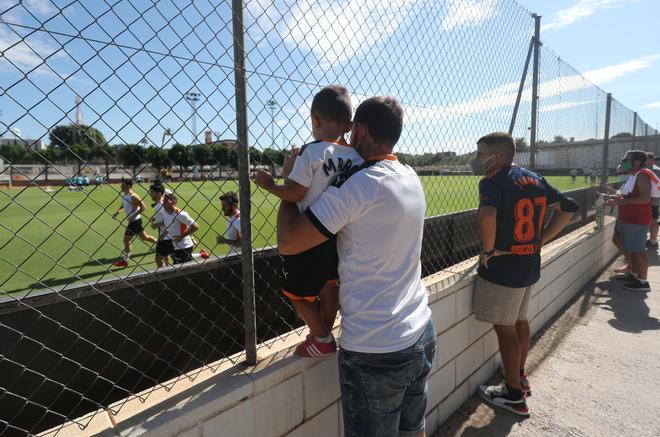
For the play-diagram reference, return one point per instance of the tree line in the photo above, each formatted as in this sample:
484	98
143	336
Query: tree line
85	144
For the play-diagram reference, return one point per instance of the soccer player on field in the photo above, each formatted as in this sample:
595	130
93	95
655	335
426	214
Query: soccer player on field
232	237
157	192
309	279
513	204
133	207
178	226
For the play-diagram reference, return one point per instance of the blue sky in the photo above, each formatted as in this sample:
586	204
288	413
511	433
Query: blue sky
454	64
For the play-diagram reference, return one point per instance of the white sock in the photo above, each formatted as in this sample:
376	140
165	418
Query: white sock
125	256
326	339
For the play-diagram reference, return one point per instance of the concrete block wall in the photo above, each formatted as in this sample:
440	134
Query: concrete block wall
286	395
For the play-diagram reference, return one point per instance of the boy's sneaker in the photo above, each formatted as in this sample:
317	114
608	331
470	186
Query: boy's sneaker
652	243
120	263
526	388
203	254
637	285
312	348
499	396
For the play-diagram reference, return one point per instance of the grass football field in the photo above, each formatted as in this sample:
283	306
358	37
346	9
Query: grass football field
60	238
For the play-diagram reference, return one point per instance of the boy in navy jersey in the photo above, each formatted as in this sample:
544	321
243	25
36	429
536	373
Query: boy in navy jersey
309	279
513	204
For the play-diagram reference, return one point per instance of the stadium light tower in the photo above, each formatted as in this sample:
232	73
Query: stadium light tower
166	133
272	105
193	98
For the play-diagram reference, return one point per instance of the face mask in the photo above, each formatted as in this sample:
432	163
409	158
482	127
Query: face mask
481	168
626	166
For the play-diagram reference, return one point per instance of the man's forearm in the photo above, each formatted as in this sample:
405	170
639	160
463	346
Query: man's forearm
487	230
558	222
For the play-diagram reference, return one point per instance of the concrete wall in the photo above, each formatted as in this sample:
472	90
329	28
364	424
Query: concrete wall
286	395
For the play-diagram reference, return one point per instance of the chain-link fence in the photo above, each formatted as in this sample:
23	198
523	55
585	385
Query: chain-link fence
196	95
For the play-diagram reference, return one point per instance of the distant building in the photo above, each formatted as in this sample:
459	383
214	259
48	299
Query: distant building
28	143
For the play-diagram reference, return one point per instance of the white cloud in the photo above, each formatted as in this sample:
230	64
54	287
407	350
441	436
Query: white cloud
611	72
652	105
467	13
505	95
336	31
42	7
580	10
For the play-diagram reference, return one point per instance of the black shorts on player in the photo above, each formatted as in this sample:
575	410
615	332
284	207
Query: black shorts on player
305	274
654	212
180	256
164	247
134	227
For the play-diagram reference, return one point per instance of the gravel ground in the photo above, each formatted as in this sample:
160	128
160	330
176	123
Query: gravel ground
595	371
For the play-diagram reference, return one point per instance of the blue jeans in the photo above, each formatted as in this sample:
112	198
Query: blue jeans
385	394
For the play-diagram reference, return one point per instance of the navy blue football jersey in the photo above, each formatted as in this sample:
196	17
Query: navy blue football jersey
522	199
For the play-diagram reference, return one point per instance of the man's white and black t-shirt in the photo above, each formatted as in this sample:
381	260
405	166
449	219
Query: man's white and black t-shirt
316	166
377	213
233	232
175	224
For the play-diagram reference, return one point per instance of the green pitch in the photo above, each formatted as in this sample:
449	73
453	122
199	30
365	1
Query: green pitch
60	238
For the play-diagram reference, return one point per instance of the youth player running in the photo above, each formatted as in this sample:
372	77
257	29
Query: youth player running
177	226
311	276
157	192
133	207
232	237
512	209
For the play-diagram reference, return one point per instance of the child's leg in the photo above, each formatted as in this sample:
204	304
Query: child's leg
311	314
329	304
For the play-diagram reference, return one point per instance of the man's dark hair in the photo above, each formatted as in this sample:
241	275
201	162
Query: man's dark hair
230	197
499	142
383	117
127	181
637	156
333	102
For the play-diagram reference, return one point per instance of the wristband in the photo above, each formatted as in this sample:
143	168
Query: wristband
489	253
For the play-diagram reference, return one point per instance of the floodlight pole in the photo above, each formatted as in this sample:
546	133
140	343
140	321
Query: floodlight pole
247	256
193	98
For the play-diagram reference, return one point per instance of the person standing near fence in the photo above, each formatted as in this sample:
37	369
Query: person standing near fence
634	219
388	342
232	237
133	207
513	203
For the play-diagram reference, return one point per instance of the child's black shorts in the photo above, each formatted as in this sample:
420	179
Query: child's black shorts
304	275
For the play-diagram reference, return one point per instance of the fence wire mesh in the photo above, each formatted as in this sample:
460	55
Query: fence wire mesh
93	92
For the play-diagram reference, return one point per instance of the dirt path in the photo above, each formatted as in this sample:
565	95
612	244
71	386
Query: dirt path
594	372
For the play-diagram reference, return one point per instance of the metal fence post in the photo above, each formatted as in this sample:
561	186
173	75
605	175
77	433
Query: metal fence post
247	255
521	86
634	130
535	91
600	216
